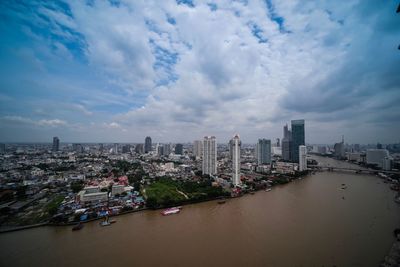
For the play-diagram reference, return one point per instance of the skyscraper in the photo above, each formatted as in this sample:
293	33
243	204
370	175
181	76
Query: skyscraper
198	148
209	155
56	144
286	144
147	144
302	158
298	138
179	149
235	150
263	151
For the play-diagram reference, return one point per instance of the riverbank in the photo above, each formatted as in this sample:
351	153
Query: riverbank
20	228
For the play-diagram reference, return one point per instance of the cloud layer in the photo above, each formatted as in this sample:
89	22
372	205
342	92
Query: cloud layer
117	71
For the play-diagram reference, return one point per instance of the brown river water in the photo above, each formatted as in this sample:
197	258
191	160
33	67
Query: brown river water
304	223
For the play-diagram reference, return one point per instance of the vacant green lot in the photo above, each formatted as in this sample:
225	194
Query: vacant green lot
166	192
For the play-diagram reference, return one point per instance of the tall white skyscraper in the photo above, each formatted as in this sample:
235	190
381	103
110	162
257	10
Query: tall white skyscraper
302	158
198	148
210	155
235	151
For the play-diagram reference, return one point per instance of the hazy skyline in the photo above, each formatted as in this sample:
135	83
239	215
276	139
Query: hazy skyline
117	71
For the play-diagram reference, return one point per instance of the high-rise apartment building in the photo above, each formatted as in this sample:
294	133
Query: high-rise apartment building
209	155
235	145
56	144
263	151
198	148
298	138
147	144
302	158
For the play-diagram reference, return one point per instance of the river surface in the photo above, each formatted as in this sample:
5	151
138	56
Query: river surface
309	222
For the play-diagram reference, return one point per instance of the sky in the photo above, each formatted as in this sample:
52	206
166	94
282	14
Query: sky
117	71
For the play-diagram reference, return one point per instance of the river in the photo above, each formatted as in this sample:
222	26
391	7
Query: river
309	222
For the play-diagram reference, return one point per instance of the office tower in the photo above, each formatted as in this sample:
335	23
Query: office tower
278	142
2	148
56	144
198	148
209	155
139	149
379	146
235	150
302	158
298	138
286	144
179	149
147	144
101	147
263	151
115	148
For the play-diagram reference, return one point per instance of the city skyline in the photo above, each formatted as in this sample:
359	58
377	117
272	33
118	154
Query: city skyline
76	70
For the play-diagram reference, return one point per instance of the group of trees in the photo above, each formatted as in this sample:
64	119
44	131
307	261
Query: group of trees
167	192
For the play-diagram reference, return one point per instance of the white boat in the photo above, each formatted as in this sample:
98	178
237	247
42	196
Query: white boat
268	189
171	211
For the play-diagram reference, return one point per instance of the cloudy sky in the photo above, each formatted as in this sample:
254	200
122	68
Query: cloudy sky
116	71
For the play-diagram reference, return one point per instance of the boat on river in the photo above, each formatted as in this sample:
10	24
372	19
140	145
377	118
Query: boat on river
268	189
171	211
107	222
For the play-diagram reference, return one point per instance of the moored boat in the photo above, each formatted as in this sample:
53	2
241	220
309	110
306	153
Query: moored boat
170	211
268	189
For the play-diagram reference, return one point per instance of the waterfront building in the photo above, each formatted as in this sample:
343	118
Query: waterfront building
298	138
92	194
302	158
147	144
56	144
263	151
235	145
179	149
376	156
198	148
209	164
